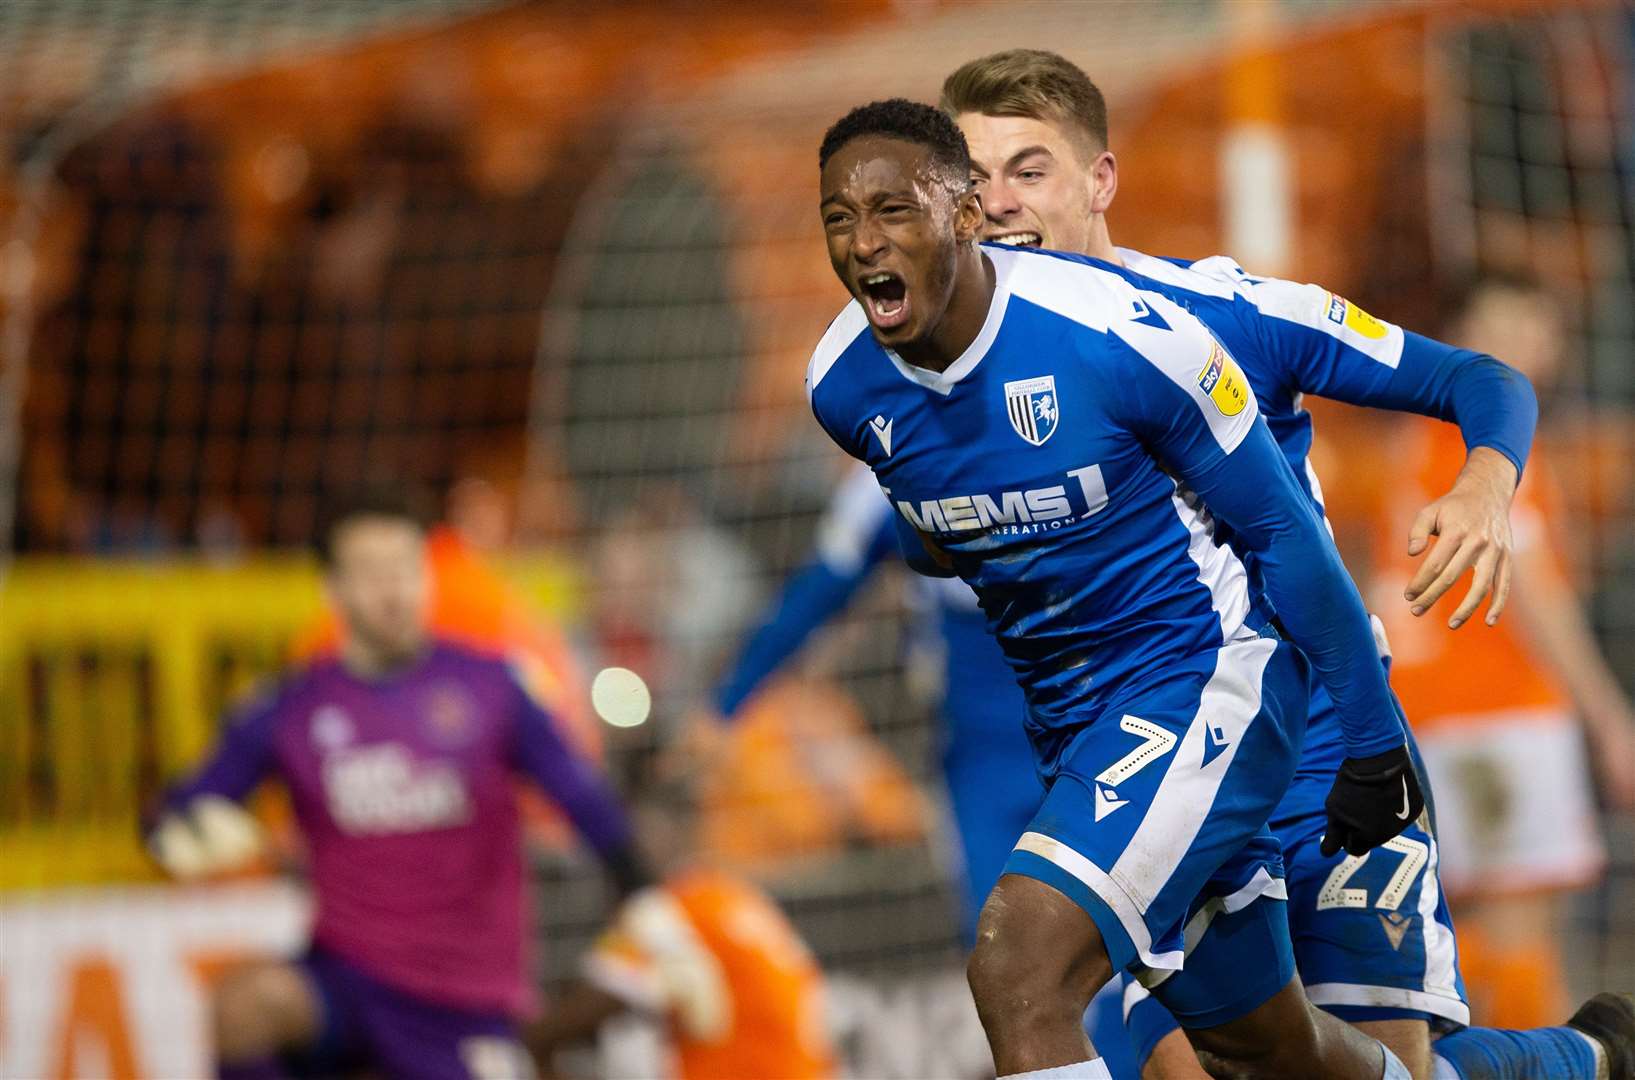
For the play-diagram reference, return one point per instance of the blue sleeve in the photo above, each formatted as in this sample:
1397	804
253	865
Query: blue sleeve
1188	401
1333	349
1254	491
567	778
240	761
854	535
810	598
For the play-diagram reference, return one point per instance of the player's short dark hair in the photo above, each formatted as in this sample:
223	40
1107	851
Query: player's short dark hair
911	121
1029	82
375	499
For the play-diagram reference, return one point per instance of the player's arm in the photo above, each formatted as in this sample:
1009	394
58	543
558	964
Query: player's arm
571	1017
200	830
1334	349
855	535
651	960
1551	616
574	784
1215	441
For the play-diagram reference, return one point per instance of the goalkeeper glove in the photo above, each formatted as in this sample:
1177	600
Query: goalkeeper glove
209	836
1372	800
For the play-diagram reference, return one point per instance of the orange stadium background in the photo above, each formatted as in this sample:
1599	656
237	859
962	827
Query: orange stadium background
568	260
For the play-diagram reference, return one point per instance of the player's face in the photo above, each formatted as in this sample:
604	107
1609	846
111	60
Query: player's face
1522	328
1038	187
894	225
381	585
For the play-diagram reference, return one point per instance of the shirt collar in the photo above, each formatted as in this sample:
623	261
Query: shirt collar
944	381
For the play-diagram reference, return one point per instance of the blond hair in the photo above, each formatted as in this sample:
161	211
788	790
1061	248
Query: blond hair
1029	82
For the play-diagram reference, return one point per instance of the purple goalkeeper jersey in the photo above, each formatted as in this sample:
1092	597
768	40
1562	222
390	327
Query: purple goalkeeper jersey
404	789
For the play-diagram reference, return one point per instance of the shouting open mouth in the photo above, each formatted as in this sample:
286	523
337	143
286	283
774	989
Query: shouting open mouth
885	296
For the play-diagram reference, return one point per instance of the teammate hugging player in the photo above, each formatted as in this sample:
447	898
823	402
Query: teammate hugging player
400	758
1037	409
1372	938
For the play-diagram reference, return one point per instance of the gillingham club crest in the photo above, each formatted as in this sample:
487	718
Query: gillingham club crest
1033	408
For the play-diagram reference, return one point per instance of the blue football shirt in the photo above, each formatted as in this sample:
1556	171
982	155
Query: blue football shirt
1069	467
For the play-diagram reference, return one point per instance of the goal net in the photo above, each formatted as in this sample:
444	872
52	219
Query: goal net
1533	170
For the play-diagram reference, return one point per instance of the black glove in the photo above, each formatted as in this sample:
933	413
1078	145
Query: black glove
1372	800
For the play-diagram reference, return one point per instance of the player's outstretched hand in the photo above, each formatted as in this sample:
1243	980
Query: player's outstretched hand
1372	800
1472	526
209	837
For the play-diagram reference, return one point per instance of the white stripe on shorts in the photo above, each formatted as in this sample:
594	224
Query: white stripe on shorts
1079	1070
1262	884
1229	703
1111	893
1390	997
1441	977
1134	994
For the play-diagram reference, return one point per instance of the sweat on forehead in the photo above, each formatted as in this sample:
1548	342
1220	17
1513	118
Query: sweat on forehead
877	167
909	121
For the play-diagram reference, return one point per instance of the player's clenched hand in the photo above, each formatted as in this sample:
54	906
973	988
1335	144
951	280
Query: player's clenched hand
1472	526
1372	800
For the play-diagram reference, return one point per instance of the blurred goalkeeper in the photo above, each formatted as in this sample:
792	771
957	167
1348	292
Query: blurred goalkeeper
399	755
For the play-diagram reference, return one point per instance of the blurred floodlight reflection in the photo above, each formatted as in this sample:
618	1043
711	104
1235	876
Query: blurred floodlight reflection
620	697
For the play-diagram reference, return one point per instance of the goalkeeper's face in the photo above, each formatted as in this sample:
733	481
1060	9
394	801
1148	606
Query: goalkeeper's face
1040	185
380	583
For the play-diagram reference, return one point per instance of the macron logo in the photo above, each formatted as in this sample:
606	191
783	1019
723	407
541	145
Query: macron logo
1107	801
1215	741
882	431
